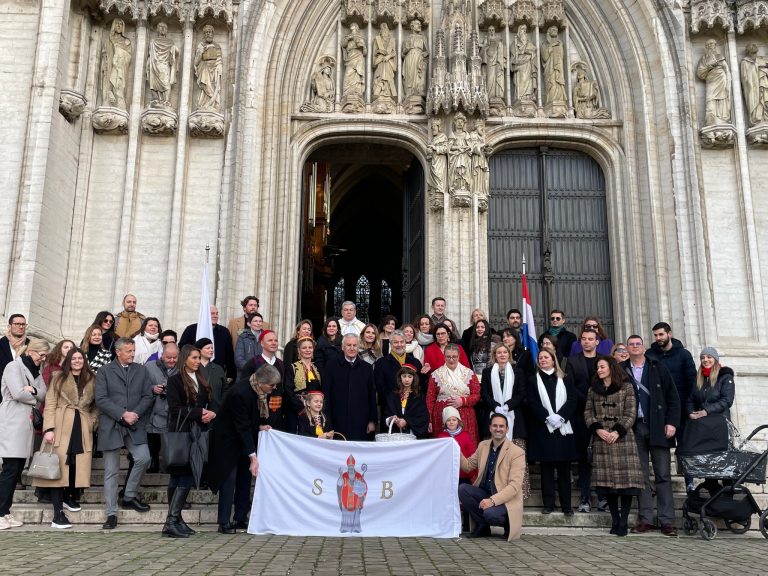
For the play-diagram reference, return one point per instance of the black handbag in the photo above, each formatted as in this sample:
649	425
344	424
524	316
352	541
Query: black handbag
37	419
176	445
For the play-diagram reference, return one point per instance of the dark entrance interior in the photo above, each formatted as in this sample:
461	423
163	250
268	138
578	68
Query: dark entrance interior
362	232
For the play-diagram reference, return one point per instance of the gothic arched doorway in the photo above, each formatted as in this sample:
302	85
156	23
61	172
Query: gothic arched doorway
549	205
363	232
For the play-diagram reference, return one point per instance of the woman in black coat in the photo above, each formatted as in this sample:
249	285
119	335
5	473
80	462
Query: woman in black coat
406	405
552	403
329	344
188	401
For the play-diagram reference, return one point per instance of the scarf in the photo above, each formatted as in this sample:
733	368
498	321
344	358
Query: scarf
452	382
302	375
16	342
30	364
555	331
262	398
151	337
502	395
400	359
411	346
424	340
560	397
706	371
455	432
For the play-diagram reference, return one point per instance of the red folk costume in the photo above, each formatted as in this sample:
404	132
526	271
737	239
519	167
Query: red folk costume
467	446
435	357
444	384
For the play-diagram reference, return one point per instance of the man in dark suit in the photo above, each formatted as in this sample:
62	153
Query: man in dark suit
124	398
234	437
222	344
15	340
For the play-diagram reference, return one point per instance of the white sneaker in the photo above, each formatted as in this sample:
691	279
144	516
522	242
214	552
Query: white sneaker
60	521
12	522
4	523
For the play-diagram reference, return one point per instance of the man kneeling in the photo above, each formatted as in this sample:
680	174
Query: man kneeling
496	497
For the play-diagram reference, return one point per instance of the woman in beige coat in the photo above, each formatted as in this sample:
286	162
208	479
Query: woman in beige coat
68	421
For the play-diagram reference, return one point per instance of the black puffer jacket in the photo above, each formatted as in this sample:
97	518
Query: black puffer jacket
716	399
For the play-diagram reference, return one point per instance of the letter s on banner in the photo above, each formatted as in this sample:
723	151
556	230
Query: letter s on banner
317	487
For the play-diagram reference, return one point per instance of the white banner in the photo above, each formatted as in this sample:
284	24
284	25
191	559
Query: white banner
312	487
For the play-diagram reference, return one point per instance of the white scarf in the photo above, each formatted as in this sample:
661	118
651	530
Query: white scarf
560	397
452	383
502	396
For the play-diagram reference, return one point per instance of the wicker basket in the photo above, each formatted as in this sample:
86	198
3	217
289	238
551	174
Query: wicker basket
394	437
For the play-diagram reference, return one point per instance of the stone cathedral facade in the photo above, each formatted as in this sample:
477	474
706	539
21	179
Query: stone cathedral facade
621	147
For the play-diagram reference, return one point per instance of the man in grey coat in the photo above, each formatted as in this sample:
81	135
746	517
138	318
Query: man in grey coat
124	398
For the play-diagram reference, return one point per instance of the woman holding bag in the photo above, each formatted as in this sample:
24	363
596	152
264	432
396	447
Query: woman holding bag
22	389
70	418
188	400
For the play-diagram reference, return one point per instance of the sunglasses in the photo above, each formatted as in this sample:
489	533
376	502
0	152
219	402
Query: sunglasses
555	318
593	326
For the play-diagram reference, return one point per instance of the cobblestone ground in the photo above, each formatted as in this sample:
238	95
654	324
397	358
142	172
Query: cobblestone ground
127	551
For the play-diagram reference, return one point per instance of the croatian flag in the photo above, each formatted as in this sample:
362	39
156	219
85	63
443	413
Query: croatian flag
529	328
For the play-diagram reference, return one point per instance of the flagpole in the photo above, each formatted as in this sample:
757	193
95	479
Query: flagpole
207	252
523	262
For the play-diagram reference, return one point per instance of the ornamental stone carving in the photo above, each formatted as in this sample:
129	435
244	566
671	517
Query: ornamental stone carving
586	95
159	122
553	12
109	120
524	12
165	8
751	14
417	10
525	73
415	55
717	131
754	83
71	104
162	65
493	13
221	9
209	65
322	87
205	124
130	8
115	62
354	10
354	51
384	68
495	63
480	172
386	11
710	13
460	163
552	53
437	154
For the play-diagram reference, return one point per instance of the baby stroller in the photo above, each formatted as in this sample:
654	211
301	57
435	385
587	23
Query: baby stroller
732	502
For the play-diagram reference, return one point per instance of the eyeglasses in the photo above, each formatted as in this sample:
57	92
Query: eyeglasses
555	318
108	321
451	357
593	326
19	324
621	351
634	344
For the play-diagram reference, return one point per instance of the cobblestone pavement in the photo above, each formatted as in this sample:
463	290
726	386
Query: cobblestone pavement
139	553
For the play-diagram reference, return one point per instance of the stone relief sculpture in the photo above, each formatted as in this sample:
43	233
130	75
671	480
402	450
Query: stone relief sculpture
415	69
71	104
754	82
525	73
554	78
495	63
713	69
384	65
115	60
322	87
162	67
480	173
586	95
209	65
460	163
354	52
437	154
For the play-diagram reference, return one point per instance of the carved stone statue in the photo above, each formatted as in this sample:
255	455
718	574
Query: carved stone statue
552	59
437	154
415	69
115	60
161	67
460	162
209	64
354	51
384	64
525	73
495	62
754	82
586	95
480	173
713	69
323	87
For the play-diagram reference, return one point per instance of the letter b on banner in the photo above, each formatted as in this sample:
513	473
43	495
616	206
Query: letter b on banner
387	490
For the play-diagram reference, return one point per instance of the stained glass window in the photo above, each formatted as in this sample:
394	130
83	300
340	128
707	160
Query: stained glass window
386	299
338	297
363	298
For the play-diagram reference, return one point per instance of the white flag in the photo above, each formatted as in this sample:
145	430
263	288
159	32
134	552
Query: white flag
313	487
204	326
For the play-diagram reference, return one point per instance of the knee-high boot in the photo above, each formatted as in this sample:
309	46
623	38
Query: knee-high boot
613	506
172	527
184	526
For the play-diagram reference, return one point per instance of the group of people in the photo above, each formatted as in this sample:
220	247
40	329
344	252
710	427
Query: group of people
612	410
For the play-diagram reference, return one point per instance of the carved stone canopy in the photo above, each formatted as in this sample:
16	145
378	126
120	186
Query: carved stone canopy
751	14
524	12
129	8
709	14
493	13
553	12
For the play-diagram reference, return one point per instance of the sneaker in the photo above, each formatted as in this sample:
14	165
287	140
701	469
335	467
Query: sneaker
60	521
4	523
602	505
72	505
584	505
12	522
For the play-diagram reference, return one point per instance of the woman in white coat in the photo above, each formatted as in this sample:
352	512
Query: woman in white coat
22	389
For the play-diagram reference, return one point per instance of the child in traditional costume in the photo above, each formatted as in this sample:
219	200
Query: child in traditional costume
313	422
405	407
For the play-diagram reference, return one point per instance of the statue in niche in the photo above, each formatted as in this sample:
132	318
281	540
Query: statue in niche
586	95
552	59
415	69
354	51
495	62
754	82
161	67
480	174
384	62
437	154
209	65
524	61
460	162
323	87
115	60
713	69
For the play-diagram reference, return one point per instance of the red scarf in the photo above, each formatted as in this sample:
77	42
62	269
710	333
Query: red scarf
706	371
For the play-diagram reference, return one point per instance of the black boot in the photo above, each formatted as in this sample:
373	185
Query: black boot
613	506
172	527
184	526
626	506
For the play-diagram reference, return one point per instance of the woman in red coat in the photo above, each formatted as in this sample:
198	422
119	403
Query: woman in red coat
453	385
434	354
